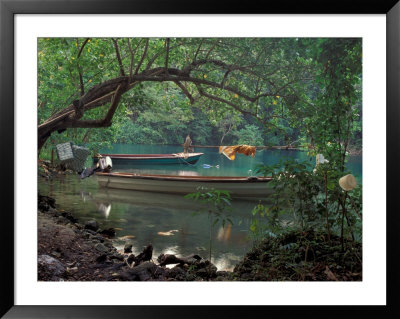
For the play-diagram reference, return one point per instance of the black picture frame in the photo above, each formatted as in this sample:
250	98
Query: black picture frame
8	9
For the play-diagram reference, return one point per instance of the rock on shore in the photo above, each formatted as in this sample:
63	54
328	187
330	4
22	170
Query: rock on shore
70	251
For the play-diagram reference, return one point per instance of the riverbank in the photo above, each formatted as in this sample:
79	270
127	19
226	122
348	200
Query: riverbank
70	251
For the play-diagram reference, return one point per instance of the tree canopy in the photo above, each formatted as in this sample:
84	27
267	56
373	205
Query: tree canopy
286	89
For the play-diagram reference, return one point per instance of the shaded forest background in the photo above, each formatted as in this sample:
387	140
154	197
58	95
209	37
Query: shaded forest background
300	88
304	92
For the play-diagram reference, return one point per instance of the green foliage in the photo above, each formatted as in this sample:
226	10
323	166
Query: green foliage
301	256
313	96
329	115
218	204
265	221
200	128
266	91
332	114
306	198
250	135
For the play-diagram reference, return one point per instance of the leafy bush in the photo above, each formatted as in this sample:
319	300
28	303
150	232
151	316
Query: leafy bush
312	198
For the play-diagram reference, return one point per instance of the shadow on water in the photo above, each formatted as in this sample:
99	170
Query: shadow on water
172	223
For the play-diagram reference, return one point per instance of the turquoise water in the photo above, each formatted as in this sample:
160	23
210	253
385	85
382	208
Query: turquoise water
241	166
171	223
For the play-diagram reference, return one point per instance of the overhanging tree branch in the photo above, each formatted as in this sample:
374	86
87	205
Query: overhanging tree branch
106	121
82	87
212	48
143	57
121	68
198	49
158	54
186	91
102	93
132	52
167	54
219	99
83	45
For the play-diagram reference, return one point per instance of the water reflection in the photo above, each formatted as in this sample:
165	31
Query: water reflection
146	199
139	217
177	170
224	233
103	208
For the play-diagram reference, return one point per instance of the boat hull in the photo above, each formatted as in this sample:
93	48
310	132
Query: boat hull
239	187
152	159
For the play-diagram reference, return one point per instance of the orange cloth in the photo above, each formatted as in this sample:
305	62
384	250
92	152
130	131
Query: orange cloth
230	151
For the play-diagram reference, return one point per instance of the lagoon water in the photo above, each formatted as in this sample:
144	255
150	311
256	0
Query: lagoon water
171	223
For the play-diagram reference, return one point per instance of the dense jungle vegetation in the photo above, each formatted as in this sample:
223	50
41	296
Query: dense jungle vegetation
289	91
305	92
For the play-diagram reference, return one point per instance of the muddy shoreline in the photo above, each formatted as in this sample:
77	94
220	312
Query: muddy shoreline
71	251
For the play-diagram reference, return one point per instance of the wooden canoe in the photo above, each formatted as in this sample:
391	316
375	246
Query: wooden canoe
175	158
239	187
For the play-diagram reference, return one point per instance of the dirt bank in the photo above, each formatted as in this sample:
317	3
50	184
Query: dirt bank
70	251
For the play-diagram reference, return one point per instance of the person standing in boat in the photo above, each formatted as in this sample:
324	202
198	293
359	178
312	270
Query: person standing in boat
187	146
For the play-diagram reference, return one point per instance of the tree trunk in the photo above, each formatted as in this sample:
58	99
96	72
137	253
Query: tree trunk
70	117
41	141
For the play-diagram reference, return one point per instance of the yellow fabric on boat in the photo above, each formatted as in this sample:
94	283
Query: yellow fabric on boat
230	151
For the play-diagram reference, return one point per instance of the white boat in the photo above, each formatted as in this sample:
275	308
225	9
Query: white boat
238	187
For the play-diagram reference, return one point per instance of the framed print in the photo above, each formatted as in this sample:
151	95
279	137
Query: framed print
166	160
